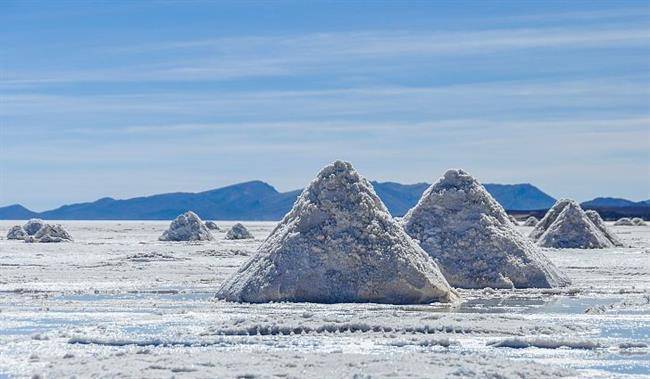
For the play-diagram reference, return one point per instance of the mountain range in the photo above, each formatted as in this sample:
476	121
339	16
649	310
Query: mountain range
256	200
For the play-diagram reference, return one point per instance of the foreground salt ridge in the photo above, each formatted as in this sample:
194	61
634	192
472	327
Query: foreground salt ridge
472	239
338	244
187	227
158	302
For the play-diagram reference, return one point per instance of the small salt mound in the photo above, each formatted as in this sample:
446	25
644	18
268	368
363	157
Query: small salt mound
624	222
238	232
548	218
50	234
16	233
469	235
638	221
531	221
595	218
212	225
572	229
513	219
33	226
187	227
338	244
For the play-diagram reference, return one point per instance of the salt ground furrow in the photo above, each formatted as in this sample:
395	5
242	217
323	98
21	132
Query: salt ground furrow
91	293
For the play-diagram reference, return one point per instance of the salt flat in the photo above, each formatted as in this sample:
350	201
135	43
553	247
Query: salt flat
118	302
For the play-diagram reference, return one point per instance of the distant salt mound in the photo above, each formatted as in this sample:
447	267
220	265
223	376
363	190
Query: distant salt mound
238	232
548	218
212	225
17	233
33	226
531	221
513	219
338	244
624	222
471	238
50	234
187	227
573	229
638	221
595	218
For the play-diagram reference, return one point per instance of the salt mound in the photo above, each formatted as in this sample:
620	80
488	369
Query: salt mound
338	244
33	226
187	227
238	232
638	221
624	222
595	218
50	234
471	238
212	225
531	221
16	233
513	219
548	218
572	229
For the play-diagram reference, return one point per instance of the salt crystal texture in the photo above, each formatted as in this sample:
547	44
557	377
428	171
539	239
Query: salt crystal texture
624	222
638	221
238	232
338	244
187	227
16	233
548	218
471	238
50	234
595	218
531	221
33	226
572	229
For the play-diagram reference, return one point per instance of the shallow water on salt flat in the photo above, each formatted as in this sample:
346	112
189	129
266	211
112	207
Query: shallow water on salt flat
119	302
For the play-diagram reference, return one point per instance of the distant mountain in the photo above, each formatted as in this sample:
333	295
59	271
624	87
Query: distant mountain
16	212
612	202
255	200
520	197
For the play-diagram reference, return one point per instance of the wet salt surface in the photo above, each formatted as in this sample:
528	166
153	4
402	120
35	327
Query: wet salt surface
117	301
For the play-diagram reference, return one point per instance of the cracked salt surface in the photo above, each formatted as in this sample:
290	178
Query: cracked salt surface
117	301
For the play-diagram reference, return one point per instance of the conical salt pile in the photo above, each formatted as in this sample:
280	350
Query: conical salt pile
572	229
16	233
531	221
49	234
33	226
638	221
212	225
338	244
624	222
238	232
595	218
513	219
475	245
548	218
187	227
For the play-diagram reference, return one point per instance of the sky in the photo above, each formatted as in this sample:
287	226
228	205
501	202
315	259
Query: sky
129	98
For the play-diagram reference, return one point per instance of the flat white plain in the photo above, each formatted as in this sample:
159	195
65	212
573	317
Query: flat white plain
118	301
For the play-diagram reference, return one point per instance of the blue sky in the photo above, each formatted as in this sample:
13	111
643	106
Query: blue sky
128	98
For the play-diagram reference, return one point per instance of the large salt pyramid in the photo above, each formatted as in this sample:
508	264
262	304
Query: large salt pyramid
338	244
595	218
573	229
471	238
548	218
187	227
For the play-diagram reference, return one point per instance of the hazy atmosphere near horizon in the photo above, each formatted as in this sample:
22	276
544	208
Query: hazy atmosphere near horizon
139	97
